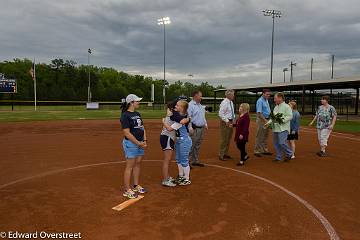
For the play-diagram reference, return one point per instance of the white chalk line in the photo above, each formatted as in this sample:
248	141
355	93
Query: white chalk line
326	224
56	171
333	134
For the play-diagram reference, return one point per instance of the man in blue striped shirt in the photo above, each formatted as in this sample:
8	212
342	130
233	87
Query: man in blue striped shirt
196	112
262	117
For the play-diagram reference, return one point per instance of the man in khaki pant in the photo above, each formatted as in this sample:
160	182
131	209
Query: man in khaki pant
227	116
262	117
197	127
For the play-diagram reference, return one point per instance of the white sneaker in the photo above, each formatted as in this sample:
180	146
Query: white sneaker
130	194
185	182
139	189
169	183
293	157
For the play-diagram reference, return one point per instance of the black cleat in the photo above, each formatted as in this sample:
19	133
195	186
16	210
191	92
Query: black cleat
198	164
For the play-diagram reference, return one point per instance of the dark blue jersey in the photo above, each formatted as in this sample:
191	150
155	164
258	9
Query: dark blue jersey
183	131
133	121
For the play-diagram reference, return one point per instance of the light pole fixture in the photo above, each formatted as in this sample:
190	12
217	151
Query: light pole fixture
311	68
191	77
89	90
274	14
292	64
332	66
285	70
164	21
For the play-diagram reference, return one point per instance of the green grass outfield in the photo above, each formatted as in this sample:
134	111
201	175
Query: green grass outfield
23	116
43	115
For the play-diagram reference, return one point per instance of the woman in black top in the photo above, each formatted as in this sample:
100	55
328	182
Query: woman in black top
134	144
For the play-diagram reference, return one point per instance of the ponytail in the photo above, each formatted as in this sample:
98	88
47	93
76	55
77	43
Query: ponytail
124	107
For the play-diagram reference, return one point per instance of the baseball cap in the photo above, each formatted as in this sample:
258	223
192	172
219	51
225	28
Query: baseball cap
132	98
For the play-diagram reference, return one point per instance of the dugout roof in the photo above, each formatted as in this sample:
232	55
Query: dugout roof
337	83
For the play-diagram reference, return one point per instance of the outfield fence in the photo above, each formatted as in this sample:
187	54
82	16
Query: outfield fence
344	103
18	105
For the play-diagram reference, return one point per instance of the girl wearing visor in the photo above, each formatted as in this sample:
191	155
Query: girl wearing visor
134	144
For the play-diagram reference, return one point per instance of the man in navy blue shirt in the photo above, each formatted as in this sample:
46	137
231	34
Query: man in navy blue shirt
262	117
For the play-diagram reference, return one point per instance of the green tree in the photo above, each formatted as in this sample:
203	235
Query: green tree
65	80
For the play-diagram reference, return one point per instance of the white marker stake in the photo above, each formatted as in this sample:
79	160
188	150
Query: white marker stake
127	203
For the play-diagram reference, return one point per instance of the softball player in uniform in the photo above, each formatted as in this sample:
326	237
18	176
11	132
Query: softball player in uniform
134	143
183	142
167	142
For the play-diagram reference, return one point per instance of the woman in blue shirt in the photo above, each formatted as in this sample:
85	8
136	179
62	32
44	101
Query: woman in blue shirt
294	127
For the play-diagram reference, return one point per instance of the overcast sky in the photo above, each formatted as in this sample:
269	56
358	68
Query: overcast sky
220	41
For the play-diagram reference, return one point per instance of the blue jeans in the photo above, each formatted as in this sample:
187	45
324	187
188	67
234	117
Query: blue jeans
182	150
281	145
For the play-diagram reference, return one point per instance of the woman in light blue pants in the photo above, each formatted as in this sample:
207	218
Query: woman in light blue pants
183	147
183	141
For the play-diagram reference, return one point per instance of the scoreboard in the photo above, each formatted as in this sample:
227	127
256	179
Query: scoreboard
7	85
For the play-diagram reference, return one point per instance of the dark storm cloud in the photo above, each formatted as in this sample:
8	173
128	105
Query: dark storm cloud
224	41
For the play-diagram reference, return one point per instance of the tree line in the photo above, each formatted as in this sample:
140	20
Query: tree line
65	80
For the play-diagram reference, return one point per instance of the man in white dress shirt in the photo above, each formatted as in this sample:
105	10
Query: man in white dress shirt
227	117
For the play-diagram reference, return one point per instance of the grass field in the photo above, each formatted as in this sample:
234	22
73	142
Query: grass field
65	113
20	116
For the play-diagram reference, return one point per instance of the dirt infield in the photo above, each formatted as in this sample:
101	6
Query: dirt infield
65	176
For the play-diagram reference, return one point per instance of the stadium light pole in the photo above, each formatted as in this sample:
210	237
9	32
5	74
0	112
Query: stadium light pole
332	66
292	64
191	76
89	91
164	21
285	70
274	14
311	68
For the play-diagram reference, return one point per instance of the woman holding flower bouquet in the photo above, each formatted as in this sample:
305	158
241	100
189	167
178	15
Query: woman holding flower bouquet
280	122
